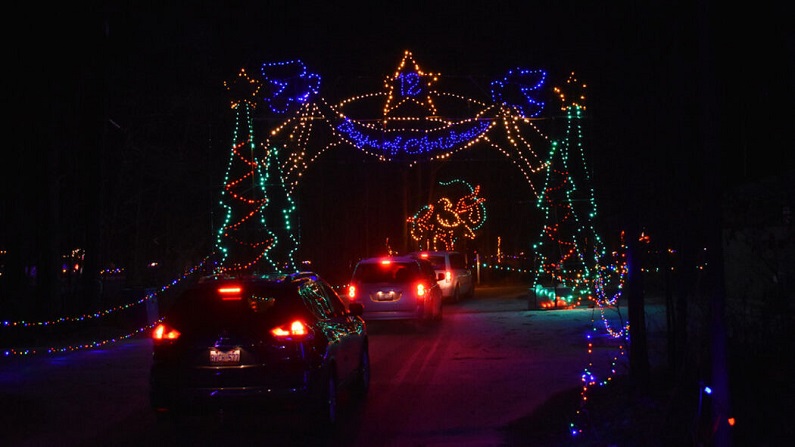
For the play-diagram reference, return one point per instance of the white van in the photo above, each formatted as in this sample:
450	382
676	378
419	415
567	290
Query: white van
458	282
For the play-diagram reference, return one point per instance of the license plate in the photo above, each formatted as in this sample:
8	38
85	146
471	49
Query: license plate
217	356
385	296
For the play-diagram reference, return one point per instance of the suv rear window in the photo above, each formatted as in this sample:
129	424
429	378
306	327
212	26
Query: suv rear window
392	272
457	261
205	307
437	261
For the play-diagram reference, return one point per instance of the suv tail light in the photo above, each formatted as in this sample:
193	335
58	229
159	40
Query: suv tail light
295	330
230	293
448	275
163	333
352	292
421	290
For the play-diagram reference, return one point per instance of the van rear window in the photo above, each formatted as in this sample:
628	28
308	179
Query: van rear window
394	272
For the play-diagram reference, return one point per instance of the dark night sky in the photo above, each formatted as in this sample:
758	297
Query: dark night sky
641	61
164	68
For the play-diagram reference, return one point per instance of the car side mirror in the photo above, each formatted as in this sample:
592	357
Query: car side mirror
356	309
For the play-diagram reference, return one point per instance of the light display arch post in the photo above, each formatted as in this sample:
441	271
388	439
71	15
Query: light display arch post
412	121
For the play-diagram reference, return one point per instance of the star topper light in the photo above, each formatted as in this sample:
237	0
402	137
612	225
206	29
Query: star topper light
572	94
409	84
243	89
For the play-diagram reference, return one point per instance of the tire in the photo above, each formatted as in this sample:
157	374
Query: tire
326	411
361	386
440	313
456	294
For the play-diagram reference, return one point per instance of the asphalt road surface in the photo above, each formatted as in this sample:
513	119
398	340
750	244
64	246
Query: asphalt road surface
491	361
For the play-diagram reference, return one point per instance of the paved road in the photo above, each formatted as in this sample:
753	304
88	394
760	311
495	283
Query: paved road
490	362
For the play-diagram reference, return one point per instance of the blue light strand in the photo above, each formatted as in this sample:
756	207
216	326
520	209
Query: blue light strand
290	83
103	313
518	89
391	144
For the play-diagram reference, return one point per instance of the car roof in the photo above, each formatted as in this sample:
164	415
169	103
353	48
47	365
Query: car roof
434	253
275	279
379	259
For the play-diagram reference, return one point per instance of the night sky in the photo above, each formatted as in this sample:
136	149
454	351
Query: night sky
661	78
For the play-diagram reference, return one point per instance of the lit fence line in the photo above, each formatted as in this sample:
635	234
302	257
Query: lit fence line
7	352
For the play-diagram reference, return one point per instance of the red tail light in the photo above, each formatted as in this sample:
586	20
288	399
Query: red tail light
421	291
448	275
230	293
295	330
352	292
163	332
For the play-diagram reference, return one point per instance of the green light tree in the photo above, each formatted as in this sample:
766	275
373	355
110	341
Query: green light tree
279	214
243	239
569	249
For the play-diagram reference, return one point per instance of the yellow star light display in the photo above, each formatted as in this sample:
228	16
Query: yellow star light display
409	84
572	95
243	89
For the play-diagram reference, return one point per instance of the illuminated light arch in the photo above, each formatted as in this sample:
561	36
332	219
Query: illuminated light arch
411	121
409	126
312	128
246	238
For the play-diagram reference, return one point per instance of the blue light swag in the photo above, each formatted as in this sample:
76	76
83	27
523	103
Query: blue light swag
411	142
289	83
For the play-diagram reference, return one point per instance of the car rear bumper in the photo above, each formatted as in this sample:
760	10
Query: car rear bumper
206	387
415	314
199	398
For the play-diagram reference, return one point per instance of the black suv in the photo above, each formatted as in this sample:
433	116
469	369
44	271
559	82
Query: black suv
283	339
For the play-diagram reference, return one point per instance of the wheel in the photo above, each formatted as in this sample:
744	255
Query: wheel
327	407
456	294
439	312
362	384
471	293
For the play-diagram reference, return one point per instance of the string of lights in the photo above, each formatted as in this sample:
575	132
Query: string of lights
148	298
257	232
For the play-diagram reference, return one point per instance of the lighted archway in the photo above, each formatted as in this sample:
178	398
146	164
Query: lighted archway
411	120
